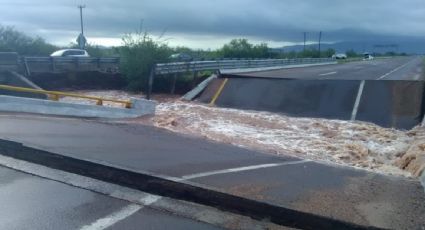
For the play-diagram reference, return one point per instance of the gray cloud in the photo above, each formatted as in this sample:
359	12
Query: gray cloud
262	20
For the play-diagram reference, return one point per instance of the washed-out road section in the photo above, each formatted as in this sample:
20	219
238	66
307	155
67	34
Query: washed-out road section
346	194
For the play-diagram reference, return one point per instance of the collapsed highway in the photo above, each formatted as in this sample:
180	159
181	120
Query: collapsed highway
269	189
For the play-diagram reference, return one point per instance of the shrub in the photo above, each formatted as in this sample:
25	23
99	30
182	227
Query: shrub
241	48
138	55
12	40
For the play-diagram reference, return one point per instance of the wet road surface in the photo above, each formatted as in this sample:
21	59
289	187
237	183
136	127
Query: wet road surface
339	192
31	202
400	68
163	152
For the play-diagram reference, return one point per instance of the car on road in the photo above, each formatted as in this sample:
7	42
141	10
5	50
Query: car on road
70	53
184	57
339	56
367	56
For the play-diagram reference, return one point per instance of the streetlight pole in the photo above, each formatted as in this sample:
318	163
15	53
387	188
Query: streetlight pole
305	38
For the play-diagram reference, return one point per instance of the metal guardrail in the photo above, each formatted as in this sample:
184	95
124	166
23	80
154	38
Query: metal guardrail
63	64
55	95
73	59
196	66
182	67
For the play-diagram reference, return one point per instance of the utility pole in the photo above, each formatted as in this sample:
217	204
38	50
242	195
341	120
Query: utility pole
81	40
320	41
81	17
305	39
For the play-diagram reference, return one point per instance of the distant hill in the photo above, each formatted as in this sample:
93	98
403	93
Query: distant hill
409	47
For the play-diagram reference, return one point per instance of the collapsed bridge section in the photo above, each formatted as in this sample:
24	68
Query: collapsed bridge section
398	104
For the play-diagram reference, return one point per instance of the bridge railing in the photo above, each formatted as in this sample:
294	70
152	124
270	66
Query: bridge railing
182	67
65	64
176	68
55	95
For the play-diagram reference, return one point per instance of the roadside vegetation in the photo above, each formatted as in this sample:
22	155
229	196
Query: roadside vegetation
140	51
138	54
12	40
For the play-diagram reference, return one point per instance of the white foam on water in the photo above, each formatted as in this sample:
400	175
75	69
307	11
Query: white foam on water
356	144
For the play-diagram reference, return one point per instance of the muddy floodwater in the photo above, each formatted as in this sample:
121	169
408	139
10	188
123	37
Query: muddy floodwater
355	144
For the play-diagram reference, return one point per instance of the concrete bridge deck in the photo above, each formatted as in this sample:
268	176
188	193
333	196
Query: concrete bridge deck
335	192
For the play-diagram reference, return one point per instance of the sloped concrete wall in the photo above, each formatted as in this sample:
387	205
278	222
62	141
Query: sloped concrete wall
398	104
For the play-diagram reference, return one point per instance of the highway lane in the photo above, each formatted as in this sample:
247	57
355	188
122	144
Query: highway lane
338	192
399	68
32	202
125	144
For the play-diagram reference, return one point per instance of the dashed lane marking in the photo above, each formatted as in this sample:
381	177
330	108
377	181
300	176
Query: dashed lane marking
113	218
394	70
327	74
120	215
247	168
131	195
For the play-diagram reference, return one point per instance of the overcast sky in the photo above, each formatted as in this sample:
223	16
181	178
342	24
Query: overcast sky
210	23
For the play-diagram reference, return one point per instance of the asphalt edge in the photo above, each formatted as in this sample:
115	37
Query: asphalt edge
197	212
175	189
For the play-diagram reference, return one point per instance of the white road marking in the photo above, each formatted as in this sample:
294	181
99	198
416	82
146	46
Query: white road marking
150	199
128	194
358	98
122	214
113	218
394	70
247	168
327	74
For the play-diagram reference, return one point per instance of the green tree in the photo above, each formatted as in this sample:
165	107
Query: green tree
390	53
328	53
138	55
351	53
237	48
241	48
210	54
12	40
309	53
182	49
292	54
261	51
